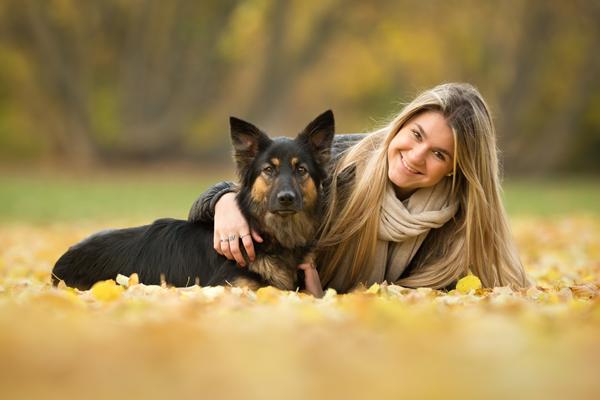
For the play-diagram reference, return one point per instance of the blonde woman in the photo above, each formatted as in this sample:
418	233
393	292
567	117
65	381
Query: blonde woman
416	203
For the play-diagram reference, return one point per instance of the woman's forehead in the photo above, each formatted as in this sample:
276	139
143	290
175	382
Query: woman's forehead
434	127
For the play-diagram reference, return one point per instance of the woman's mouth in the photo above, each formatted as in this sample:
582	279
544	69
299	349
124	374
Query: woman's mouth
408	167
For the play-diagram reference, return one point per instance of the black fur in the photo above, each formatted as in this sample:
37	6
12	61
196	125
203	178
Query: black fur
181	253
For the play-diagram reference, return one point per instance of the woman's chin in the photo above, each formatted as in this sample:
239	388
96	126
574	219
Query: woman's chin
399	180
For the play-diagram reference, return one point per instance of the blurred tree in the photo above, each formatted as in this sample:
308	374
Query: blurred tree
118	79
286	61
91	81
556	75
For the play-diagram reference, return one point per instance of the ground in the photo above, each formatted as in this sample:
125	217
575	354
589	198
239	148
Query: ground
128	341
384	341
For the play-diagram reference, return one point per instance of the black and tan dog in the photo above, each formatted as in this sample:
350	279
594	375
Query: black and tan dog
280	195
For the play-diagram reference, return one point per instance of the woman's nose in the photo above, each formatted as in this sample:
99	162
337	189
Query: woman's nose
417	155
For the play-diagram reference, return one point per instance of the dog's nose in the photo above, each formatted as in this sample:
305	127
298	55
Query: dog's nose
286	198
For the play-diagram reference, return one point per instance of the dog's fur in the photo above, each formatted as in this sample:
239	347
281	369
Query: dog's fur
280	196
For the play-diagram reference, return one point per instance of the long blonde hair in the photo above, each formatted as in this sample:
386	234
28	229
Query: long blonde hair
478	238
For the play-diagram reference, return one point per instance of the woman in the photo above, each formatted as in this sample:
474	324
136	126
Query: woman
416	203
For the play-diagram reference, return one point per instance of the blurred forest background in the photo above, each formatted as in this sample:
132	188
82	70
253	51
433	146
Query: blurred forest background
85	82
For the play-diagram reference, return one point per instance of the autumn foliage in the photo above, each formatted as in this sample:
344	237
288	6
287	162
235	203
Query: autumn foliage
127	340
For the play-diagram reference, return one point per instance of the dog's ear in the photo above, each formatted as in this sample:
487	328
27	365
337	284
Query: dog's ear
319	135
247	141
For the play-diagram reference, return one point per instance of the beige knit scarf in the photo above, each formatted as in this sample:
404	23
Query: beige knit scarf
403	227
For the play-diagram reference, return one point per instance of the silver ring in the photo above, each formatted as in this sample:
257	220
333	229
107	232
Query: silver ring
224	240
243	236
232	237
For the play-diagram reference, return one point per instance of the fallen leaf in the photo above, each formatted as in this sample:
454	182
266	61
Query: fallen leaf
468	283
107	290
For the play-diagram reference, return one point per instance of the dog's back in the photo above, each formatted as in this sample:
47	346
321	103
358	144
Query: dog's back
170	250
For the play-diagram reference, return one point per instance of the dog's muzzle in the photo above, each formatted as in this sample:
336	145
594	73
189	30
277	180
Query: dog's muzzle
286	203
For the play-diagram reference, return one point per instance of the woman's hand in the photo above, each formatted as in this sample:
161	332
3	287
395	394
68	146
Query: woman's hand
230	226
311	278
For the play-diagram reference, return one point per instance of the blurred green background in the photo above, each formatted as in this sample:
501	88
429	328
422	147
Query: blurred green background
124	103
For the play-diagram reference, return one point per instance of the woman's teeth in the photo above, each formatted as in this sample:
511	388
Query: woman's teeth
414	171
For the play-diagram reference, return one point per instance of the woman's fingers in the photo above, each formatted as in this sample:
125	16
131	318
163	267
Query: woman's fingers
231	247
256	236
234	247
225	249
228	245
230	225
248	245
311	279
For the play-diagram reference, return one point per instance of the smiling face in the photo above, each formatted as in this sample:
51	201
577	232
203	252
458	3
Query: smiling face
421	153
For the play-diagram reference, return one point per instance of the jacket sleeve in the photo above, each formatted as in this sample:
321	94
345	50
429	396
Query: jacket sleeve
341	143
203	209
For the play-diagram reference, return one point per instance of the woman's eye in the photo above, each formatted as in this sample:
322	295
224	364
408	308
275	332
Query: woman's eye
439	155
268	170
416	134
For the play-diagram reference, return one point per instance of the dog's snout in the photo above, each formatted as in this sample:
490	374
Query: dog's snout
286	198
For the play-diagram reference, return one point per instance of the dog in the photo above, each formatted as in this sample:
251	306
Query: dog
280	195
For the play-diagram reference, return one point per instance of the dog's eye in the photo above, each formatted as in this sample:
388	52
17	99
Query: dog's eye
301	170
268	170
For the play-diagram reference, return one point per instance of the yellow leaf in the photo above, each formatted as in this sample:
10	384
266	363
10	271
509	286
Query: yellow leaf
468	283
267	294
374	289
107	290
553	275
588	278
134	279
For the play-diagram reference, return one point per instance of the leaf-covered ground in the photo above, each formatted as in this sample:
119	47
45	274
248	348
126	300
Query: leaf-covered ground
381	342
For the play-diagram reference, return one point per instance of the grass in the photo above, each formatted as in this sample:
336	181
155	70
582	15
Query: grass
43	199
59	197
552	197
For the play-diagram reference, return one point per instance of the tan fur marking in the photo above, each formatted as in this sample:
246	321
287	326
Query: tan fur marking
275	161
259	190
294	162
273	272
245	282
309	191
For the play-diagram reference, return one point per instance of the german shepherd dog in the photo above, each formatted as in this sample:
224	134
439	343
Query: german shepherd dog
280	184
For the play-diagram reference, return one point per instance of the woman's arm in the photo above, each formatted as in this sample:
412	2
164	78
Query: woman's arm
343	142
203	209
218	204
230	222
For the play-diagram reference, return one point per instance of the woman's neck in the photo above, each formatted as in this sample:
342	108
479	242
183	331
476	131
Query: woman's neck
403	194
